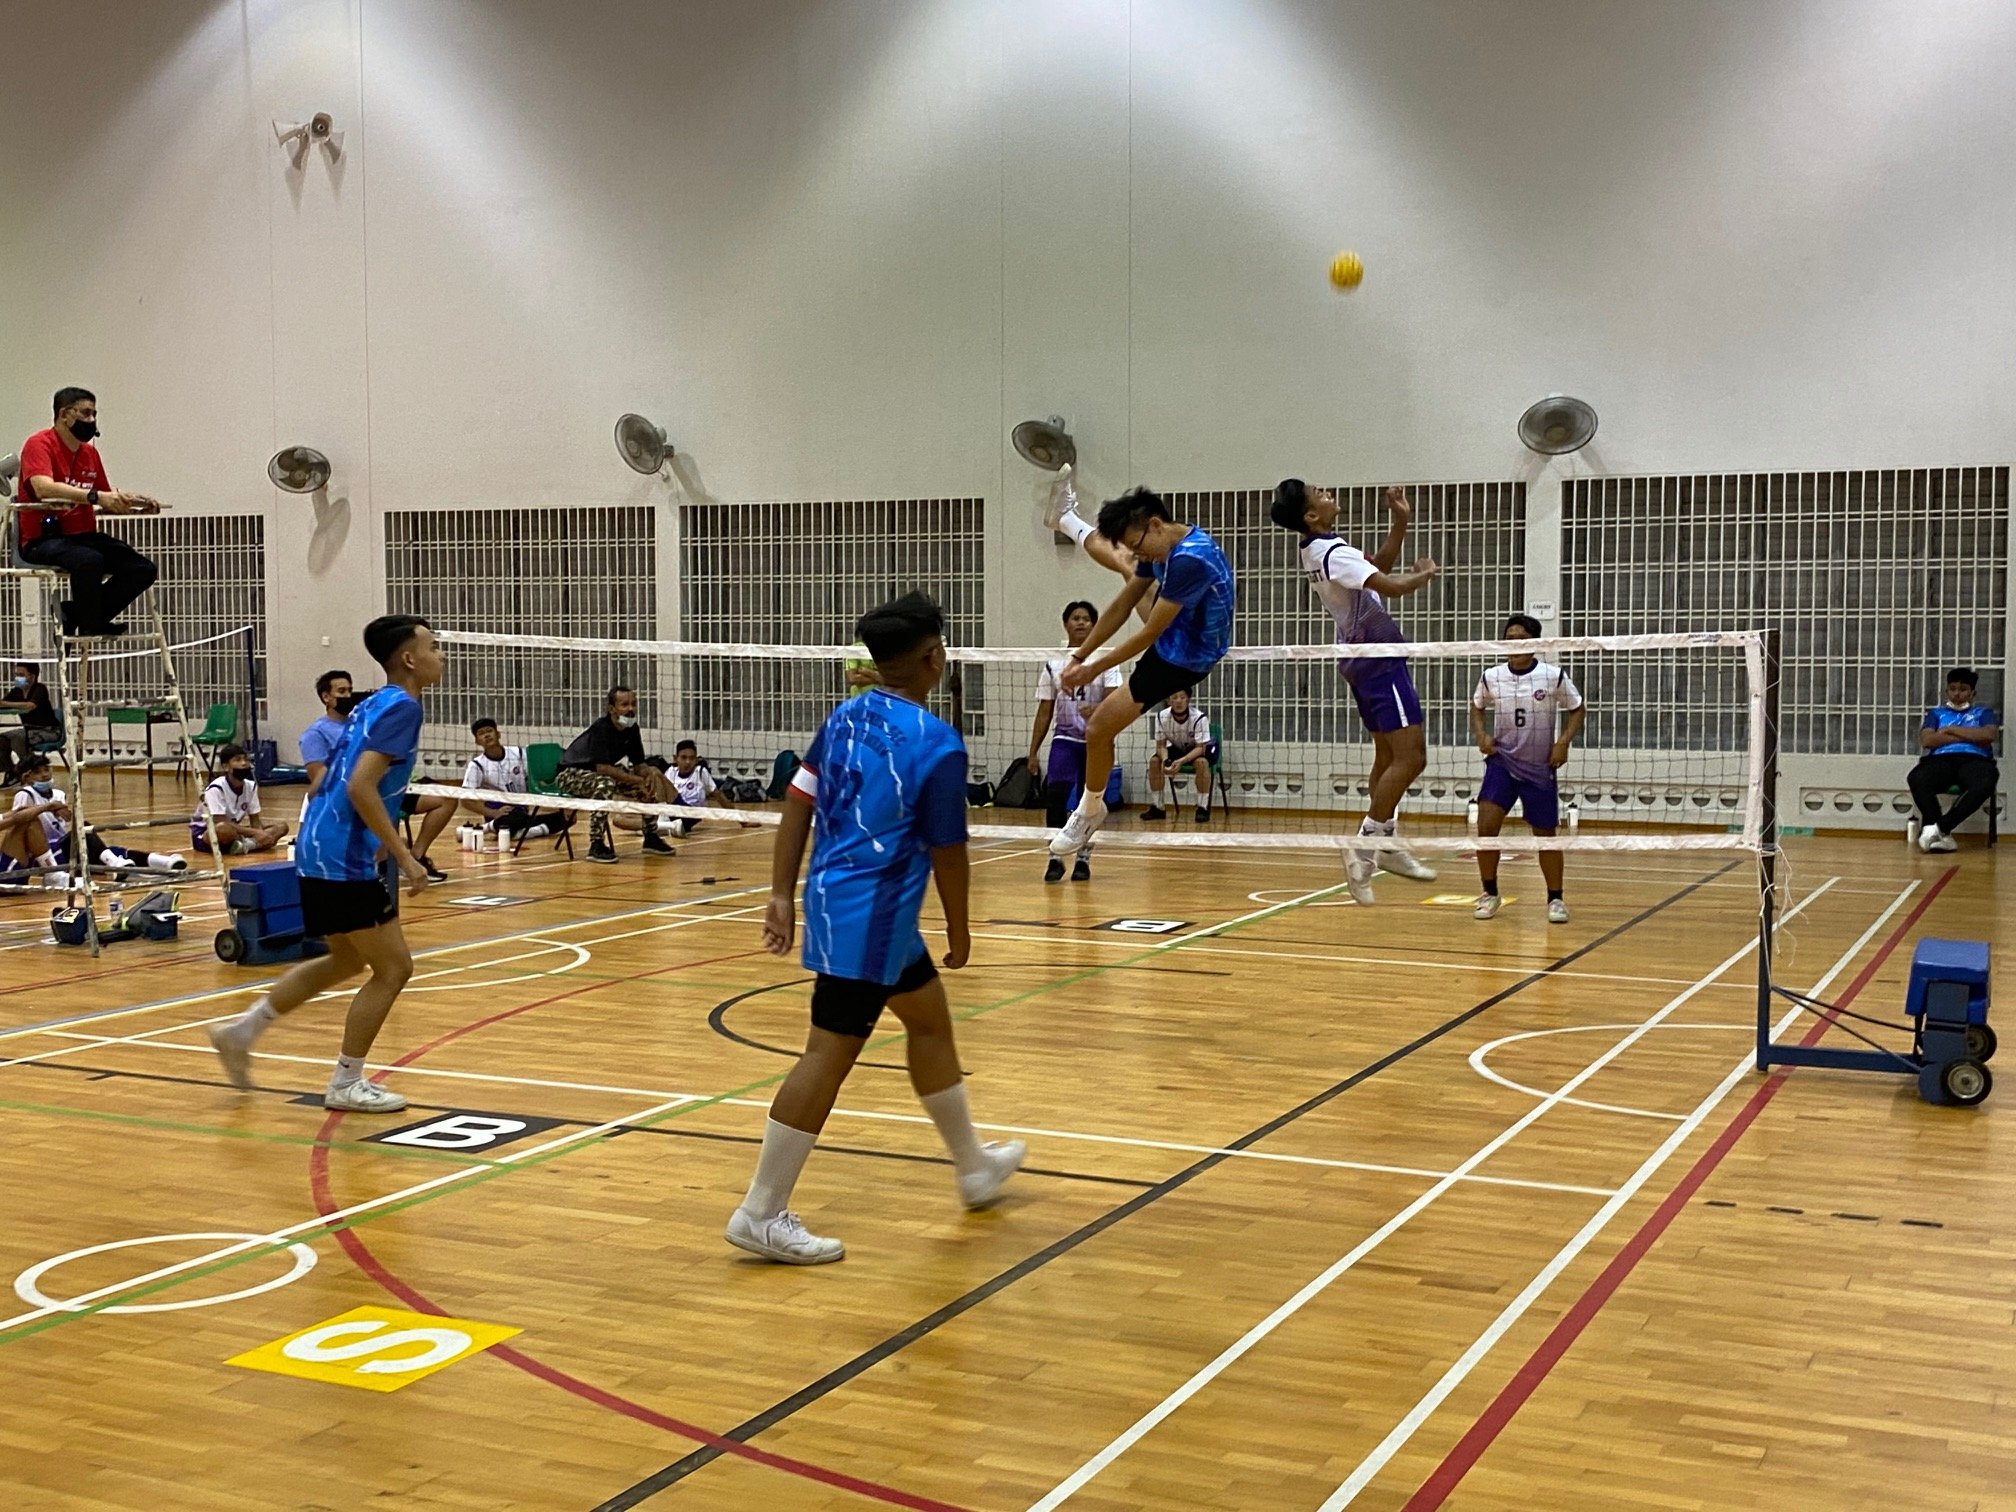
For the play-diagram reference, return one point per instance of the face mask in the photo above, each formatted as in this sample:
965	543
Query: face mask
240	775
20	683
45	787
626	721
84	430
345	704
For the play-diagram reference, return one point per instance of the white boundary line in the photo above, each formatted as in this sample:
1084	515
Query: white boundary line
1480	1062
1142	1426
1369	1467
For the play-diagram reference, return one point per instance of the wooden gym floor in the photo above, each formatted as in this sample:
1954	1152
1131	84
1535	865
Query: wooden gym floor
1326	1206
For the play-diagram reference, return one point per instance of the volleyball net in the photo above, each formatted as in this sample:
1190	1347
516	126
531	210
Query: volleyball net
1677	748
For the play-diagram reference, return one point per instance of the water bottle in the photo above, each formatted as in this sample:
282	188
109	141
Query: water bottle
113	923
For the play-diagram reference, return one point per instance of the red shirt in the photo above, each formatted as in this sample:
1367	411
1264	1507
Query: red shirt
43	455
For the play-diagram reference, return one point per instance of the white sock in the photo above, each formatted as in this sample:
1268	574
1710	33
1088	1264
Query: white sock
1204	802
349	1071
1075	526
948	1110
1091	803
1155	793
777	1168
253	1022
1370	826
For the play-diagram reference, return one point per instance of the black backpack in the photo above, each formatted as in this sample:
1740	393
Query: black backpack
782	770
1018	787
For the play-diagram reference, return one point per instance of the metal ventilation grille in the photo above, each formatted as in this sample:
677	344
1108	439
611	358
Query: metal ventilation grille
802	574
554	571
1879	581
213	579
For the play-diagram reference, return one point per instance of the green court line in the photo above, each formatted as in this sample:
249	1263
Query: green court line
501	1168
141	1121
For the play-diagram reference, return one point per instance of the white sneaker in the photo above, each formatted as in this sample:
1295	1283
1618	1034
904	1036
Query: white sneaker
166	861
1063	500
1557	910
984	1185
782	1239
56	881
1488	905
362	1096
1404	863
1927	834
1940	841
115	862
1080	827
1359	866
235	1053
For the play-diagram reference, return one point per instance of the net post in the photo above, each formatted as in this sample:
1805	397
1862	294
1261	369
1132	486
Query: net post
1767	844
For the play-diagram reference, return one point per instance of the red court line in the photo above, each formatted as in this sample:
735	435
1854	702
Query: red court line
360	1254
1515	1393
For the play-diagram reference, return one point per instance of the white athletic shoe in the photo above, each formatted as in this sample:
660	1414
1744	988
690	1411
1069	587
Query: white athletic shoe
235	1053
1488	905
782	1239
1404	863
984	1185
362	1096
115	862
166	861
1359	867
1080	827
1557	911
1063	500
1932	838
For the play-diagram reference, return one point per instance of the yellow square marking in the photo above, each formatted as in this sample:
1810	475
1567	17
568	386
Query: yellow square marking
1461	900
376	1348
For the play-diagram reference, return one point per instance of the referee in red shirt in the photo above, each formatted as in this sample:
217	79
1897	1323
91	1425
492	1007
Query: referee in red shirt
62	473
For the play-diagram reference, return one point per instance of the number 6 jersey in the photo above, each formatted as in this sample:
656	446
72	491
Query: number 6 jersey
1526	705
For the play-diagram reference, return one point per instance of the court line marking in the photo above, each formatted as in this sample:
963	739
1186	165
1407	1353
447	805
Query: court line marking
1369	1467
27	1285
1479	1063
877	1354
422	1191
1065	1489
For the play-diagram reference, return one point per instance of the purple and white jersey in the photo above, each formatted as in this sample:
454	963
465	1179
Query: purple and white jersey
1069	711
1338	571
1526	705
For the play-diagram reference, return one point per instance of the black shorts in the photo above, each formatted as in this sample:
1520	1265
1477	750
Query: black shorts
1155	679
844	1005
333	908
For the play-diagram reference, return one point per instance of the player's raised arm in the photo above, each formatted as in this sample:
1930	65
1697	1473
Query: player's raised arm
1402	513
1394	585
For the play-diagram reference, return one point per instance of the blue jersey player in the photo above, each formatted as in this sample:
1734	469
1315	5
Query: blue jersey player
1182	638
351	857
882	797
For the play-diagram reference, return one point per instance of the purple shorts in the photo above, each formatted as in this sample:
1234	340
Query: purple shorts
1067	762
1539	800
1385	693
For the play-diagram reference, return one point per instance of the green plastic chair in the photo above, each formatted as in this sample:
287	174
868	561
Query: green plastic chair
220	728
542	774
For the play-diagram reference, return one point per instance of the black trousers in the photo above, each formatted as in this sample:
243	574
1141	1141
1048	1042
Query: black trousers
105	573
1975	776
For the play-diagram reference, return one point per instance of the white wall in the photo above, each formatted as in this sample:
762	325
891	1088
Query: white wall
839	246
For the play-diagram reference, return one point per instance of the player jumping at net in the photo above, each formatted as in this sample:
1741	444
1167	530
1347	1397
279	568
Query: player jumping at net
1354	587
351	857
882	796
1067	744
1522	752
1181	639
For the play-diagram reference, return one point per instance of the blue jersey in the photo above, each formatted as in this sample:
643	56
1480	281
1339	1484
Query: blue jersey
335	844
887	781
1197	576
320	740
1973	717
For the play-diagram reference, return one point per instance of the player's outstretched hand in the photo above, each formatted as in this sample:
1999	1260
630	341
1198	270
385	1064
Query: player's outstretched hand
414	873
1397	504
1427	567
780	924
1074	676
1488	744
958	948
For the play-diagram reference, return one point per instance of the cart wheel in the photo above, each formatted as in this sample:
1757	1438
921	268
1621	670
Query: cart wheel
1966	1083
230	946
1980	1042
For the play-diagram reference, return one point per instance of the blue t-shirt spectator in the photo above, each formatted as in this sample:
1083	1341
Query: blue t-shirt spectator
319	742
887	781
1974	717
335	844
1196	576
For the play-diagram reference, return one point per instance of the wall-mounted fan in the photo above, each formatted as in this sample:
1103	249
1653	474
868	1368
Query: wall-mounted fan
1557	425
643	445
1045	443
10	469
298	470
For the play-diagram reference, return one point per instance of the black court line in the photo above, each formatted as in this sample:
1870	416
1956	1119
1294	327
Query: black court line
771	1416
314	1100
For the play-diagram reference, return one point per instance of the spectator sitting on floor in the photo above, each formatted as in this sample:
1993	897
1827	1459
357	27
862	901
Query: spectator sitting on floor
47	844
1958	738
232	801
607	761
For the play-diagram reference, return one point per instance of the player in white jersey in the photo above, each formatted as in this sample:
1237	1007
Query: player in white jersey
1354	587
1523	750
1069	710
693	786
503	769
1182	739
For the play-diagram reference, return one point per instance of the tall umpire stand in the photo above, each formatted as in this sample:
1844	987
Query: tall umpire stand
42	589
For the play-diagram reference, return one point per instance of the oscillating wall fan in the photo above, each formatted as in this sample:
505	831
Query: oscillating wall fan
1045	443
643	445
298	469
1557	425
